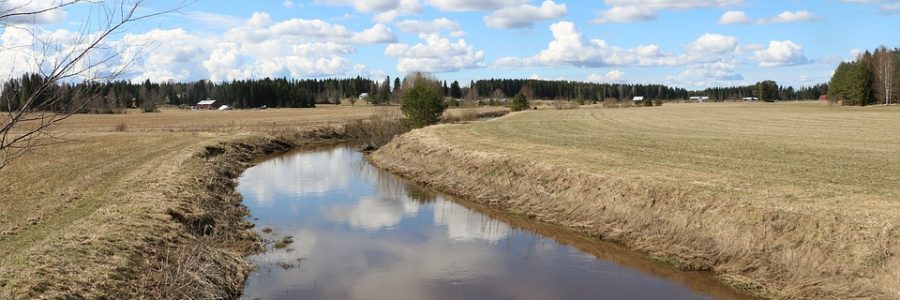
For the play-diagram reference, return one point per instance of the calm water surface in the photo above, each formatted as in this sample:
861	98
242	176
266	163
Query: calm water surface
362	233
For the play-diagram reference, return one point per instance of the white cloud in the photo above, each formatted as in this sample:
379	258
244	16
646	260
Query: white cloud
525	15
630	11
611	76
474	5
734	17
625	14
570	48
252	48
709	74
781	53
174	55
435	55
288	4
791	17
384	10
429	27
739	17
258	29
675	4
31	6
713	44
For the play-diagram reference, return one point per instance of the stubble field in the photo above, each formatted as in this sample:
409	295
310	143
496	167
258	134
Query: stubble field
788	200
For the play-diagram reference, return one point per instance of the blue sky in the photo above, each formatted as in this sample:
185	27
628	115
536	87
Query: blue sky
688	43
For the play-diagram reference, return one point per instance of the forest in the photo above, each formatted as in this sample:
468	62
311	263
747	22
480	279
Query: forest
99	97
94	97
873	78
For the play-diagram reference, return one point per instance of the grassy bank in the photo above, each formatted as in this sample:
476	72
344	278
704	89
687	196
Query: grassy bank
144	210
784	200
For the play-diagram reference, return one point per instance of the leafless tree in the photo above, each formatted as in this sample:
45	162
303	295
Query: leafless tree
883	65
88	55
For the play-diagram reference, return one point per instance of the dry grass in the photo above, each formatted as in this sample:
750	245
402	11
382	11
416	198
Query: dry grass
122	211
793	200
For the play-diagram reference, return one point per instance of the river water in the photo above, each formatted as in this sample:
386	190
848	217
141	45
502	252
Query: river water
361	233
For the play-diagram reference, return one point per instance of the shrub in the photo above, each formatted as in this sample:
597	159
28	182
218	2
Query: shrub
453	102
423	104
376	131
519	103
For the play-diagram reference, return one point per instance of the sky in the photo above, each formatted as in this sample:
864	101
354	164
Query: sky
686	43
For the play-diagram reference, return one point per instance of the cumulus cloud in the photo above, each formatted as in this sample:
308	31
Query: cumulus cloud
525	15
630	11
781	53
569	47
790	17
675	4
739	17
29	7
611	76
252	48
625	14
474	5
711	59
383	10
734	17
435	55
708	74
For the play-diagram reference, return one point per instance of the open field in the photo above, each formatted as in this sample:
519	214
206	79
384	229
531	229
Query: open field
110	211
789	200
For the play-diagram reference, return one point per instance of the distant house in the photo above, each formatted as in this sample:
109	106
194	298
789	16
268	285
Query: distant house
750	99
823	98
364	96
207	104
638	98
700	98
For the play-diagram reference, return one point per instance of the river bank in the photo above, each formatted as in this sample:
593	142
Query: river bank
143	205
779	239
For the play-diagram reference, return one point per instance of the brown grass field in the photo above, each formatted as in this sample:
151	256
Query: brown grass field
91	216
787	200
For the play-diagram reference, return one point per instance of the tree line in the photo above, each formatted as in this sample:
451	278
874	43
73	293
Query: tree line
764	91
94	96
872	78
284	92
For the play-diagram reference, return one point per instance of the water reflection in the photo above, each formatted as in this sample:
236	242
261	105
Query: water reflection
361	233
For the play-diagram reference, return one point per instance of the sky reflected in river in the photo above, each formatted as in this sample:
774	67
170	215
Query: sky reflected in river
361	233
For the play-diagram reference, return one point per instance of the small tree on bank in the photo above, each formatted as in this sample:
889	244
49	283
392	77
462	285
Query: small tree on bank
423	103
520	102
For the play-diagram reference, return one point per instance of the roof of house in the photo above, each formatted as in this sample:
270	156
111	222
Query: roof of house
638	98
206	102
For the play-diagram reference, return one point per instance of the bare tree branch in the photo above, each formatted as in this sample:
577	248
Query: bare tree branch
26	124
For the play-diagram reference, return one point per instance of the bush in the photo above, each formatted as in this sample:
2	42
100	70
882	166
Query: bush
423	104
519	103
453	102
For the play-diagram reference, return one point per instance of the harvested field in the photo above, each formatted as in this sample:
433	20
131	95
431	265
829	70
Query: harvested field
146	209
788	200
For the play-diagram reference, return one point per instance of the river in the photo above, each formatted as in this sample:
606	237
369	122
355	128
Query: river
362	233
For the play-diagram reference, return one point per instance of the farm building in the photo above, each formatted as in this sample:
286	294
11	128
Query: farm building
750	99
638	98
208	104
823	98
700	98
